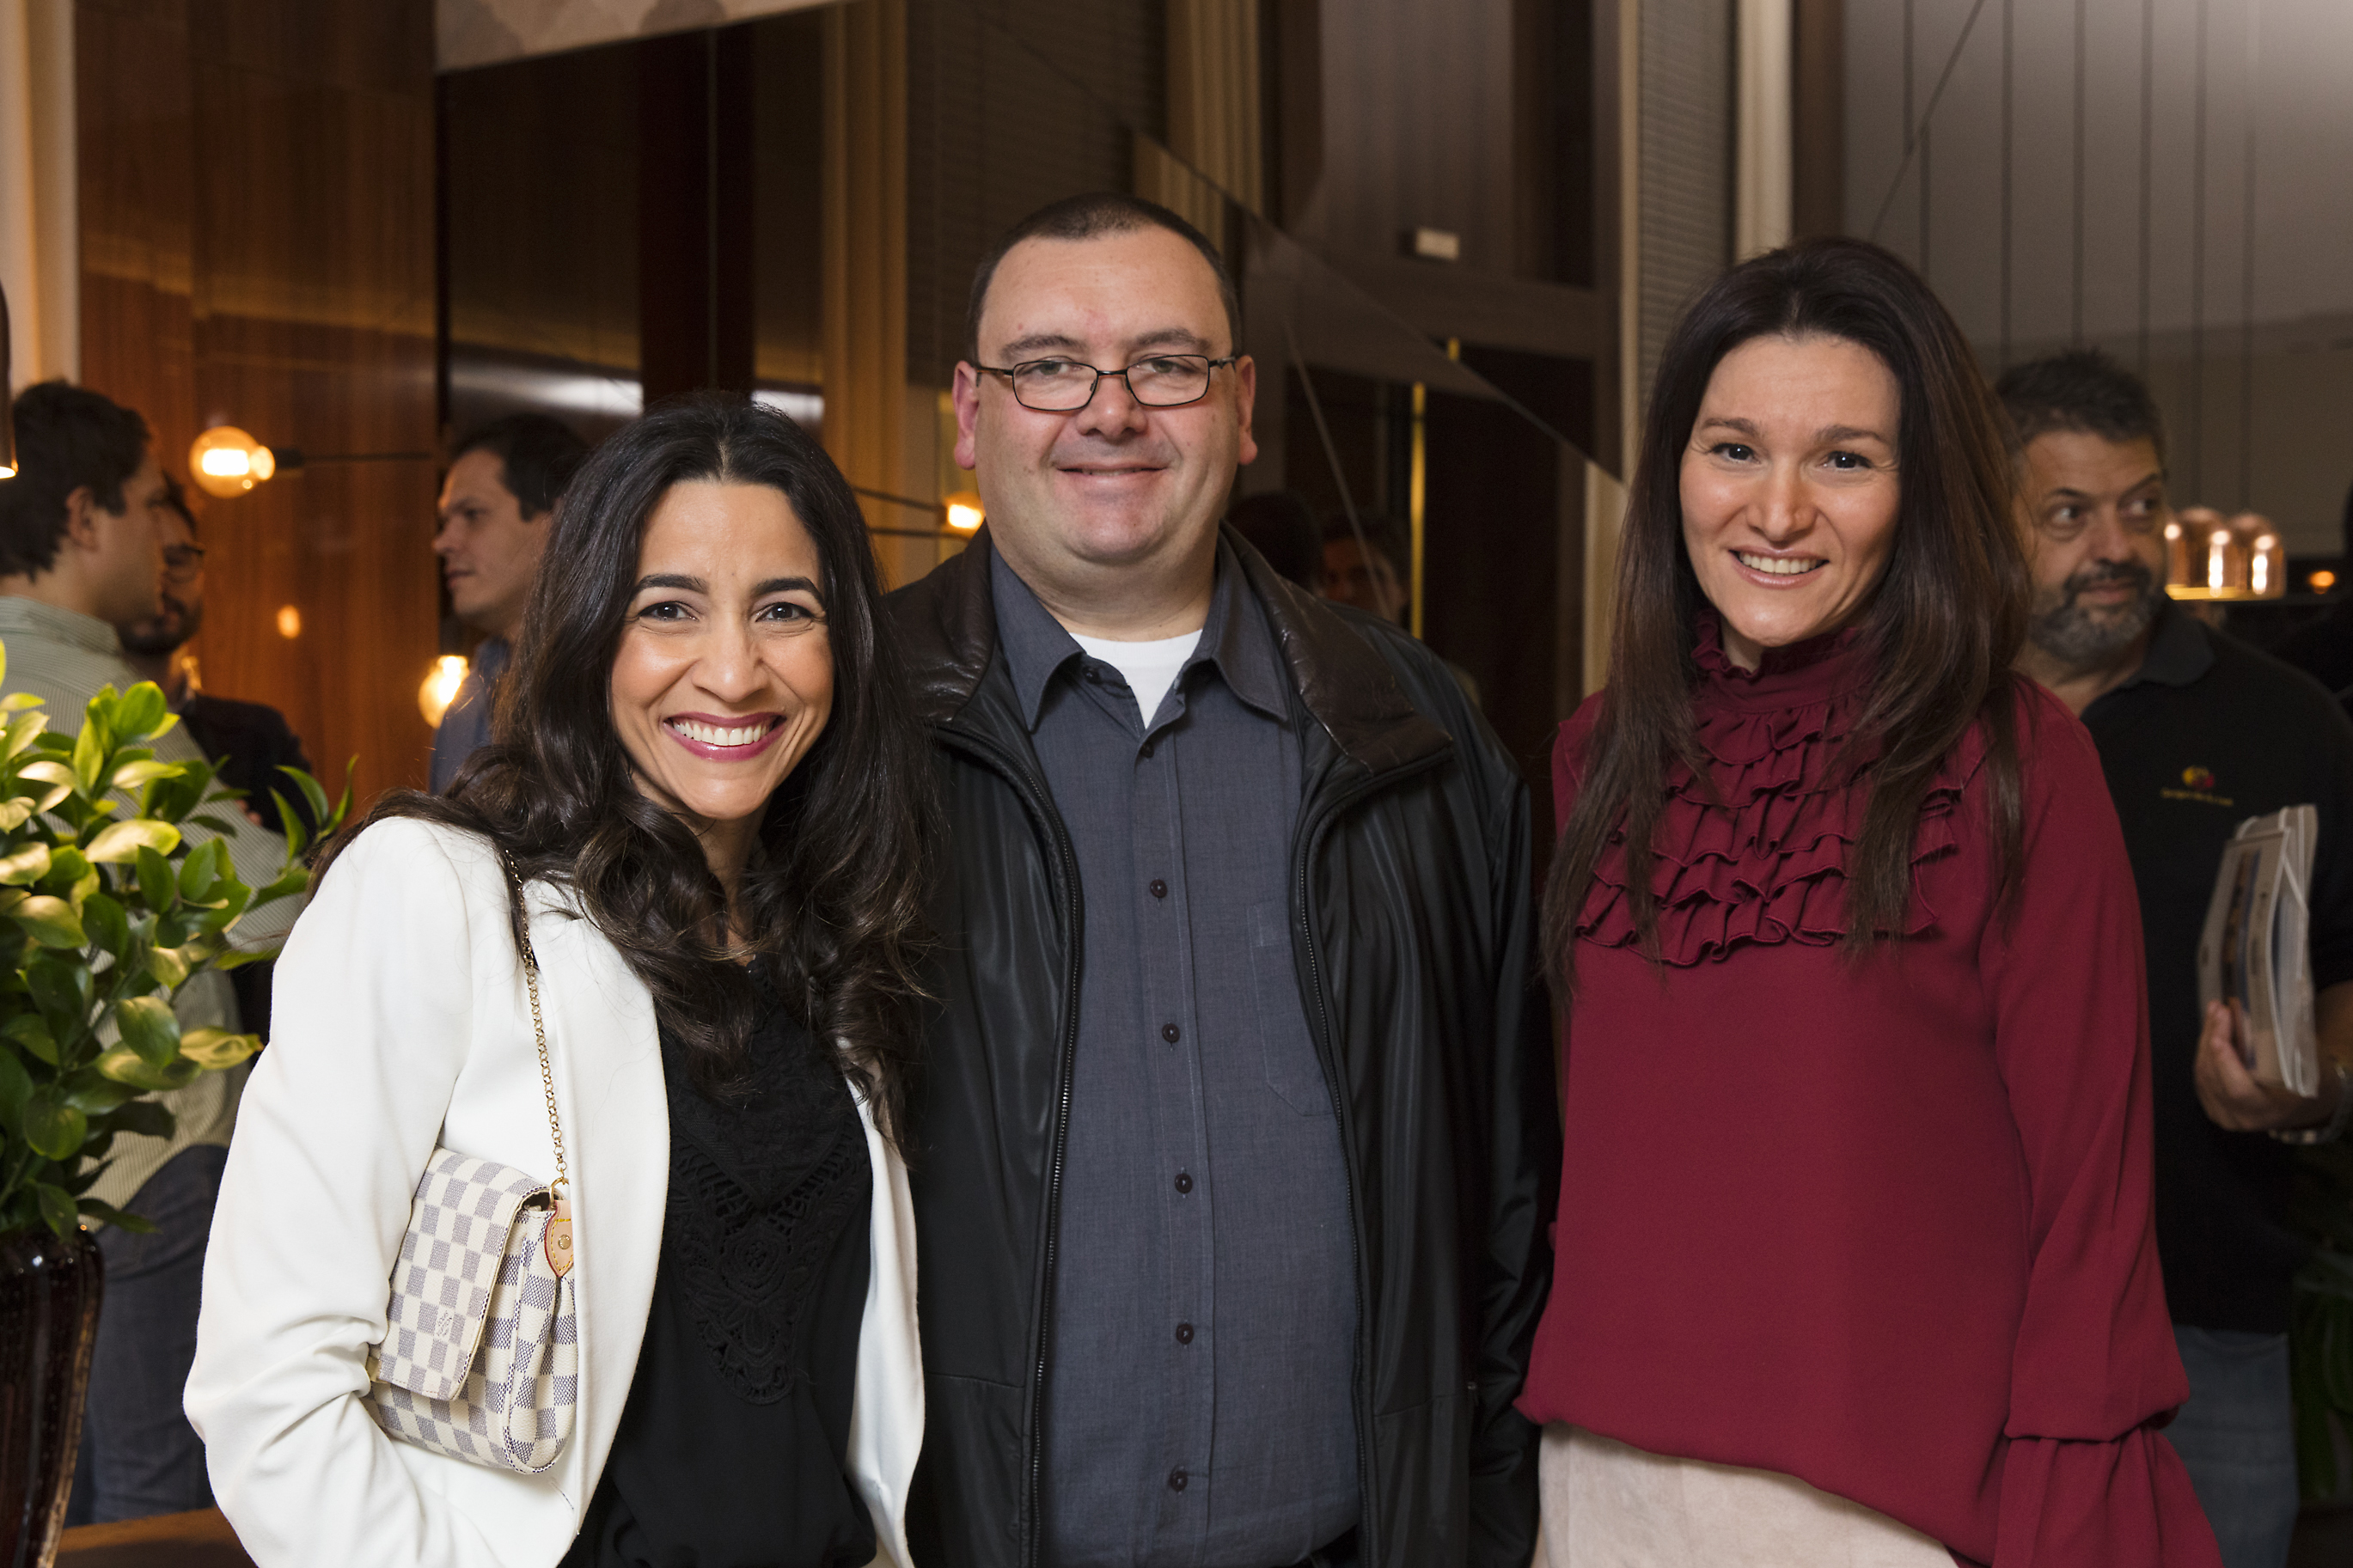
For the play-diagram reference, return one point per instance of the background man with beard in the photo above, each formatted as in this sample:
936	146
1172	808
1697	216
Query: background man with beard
2196	732
250	742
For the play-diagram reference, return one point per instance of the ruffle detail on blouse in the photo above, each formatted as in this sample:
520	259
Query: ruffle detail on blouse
1761	859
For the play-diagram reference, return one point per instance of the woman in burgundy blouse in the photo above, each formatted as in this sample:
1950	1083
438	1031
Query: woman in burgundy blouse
1854	1255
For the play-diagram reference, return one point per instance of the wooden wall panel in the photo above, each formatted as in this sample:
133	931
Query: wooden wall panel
296	143
137	210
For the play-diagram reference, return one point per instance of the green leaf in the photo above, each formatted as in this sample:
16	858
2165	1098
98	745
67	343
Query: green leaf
53	1130
294	880
343	804
50	922
60	986
24	728
115	1216
15	814
313	791
140	713
106	924
125	1066
131	775
68	867
170	970
213	1049
92	1093
17	702
142	1117
149	1028
122	841
201	871
59	777
31	1031
56	1208
157	886
234	896
16	1090
89	750
220	824
238	958
26	866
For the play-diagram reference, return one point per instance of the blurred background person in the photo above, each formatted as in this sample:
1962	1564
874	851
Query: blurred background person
1281	526
82	529
2196	732
1366	565
251	741
504	480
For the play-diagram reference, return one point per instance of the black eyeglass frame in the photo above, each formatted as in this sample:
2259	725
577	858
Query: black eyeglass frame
185	570
1211	368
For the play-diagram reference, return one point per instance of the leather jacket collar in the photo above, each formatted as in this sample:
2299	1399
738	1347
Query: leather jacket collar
949	624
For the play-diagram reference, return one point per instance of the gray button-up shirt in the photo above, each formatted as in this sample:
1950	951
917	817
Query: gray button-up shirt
465	723
1199	1410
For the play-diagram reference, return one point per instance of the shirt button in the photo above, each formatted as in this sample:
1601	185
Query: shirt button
1159	889
1147	752
1175	1481
1184	1183
1094	676
1169	1032
1184	1333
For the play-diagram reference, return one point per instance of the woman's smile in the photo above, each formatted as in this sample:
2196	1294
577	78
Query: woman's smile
725	740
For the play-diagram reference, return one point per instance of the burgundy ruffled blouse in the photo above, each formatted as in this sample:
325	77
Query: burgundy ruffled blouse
1883	1227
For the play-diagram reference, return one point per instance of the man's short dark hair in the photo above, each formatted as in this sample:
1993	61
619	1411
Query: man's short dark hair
1091	216
1385	536
537	457
2082	390
176	498
68	437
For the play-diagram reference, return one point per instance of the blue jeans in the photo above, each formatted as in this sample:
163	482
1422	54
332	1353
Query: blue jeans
2237	1437
139	1455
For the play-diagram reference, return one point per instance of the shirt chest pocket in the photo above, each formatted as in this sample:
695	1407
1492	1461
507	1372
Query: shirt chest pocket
1286	1046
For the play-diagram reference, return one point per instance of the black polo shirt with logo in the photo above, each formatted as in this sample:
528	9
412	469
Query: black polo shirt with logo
2207	733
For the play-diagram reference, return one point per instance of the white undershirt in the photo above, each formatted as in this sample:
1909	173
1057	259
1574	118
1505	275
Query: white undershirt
1150	668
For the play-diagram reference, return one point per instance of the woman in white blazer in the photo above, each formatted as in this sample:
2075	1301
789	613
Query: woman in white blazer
711	791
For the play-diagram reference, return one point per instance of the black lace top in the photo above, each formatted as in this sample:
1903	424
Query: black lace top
731	1451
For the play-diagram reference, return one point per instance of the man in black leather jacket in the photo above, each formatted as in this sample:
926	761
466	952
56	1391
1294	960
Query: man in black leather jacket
1095	669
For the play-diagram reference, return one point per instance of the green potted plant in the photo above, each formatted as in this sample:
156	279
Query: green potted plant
107	909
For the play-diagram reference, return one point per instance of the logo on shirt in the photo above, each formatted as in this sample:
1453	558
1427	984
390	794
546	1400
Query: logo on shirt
2198	784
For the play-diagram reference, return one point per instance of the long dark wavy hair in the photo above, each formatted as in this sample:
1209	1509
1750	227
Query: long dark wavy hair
831	898
1941	627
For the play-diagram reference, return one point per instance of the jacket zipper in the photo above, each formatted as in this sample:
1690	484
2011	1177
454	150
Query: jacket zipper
1360	1392
1040	806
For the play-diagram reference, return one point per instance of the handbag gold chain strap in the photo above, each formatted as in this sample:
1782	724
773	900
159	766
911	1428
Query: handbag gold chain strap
559	1229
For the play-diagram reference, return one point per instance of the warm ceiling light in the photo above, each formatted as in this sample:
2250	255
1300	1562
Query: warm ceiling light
964	512
440	688
289	621
225	461
2322	581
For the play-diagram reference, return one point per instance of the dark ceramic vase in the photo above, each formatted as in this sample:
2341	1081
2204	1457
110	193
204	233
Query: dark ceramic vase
49	1290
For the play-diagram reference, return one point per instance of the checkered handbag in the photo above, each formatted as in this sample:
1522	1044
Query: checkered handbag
480	1358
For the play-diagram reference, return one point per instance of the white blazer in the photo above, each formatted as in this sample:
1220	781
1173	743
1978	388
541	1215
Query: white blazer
401	1022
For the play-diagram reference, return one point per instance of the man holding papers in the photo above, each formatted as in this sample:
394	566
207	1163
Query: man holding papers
2198	733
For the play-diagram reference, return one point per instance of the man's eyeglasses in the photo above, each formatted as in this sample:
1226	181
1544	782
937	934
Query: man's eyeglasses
1065	385
181	563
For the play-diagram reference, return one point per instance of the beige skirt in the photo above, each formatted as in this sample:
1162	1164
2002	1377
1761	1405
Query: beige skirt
1610	1505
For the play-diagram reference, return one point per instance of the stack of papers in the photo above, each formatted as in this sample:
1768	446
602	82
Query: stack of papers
2255	953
